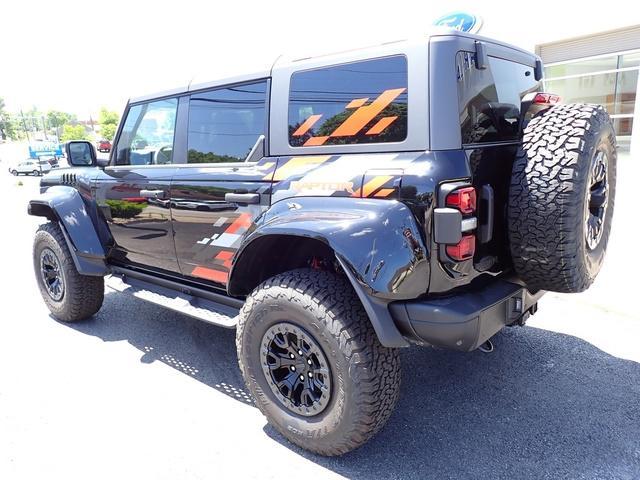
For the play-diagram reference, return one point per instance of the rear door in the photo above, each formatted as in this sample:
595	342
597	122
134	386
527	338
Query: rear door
224	124
133	191
489	102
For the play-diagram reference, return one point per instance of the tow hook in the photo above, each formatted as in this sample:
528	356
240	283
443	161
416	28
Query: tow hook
486	347
522	319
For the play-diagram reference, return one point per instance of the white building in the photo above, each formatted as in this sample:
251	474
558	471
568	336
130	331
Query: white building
590	55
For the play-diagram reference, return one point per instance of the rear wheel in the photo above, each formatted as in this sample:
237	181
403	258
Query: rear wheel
313	362
562	196
35	173
14	173
69	296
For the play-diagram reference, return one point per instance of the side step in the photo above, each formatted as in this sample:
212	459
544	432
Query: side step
201	304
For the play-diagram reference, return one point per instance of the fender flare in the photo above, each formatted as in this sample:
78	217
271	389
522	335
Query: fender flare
377	243
66	206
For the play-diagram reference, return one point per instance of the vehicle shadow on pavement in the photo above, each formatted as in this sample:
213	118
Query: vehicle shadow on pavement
200	350
542	405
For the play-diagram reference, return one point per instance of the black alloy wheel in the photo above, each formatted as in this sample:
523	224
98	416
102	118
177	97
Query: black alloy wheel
598	196
296	369
52	274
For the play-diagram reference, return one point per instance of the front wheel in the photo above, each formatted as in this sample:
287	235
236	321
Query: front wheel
313	363
35	173
69	295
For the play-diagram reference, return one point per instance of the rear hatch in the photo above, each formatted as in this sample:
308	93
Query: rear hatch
489	104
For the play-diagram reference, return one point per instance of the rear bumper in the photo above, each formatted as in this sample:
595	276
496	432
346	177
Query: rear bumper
467	320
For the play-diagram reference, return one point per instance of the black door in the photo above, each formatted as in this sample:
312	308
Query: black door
133	192
224	125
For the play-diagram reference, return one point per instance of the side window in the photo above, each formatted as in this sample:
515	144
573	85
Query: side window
360	102
225	124
489	99
147	134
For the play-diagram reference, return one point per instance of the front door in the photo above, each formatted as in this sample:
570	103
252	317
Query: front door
224	125
133	191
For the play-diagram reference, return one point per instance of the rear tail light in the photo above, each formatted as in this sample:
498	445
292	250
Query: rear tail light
464	199
464	249
546	99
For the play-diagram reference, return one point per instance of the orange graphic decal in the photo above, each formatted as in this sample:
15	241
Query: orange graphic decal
225	256
363	115
298	165
244	220
306	125
357	102
381	125
315	141
210	274
385	192
372	185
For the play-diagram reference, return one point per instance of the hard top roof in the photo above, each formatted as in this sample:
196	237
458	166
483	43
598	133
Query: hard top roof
220	75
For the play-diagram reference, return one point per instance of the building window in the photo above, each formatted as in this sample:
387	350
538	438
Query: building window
360	102
610	80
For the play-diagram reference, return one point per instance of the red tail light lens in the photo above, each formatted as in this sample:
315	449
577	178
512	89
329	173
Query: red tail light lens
464	249
546	99
464	199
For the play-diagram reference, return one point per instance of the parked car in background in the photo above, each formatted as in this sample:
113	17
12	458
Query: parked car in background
104	146
31	167
51	161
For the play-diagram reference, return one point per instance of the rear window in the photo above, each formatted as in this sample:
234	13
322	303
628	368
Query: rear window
489	99
360	102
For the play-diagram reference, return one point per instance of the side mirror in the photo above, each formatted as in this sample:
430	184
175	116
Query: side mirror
80	153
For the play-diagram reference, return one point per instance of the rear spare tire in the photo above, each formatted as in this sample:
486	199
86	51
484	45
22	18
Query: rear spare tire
561	197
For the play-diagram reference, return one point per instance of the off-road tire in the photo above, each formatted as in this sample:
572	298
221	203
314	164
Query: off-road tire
365	375
83	295
548	197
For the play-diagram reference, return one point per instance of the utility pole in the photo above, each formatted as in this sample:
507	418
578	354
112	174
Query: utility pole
24	125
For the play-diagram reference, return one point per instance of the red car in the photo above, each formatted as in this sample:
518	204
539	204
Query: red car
104	146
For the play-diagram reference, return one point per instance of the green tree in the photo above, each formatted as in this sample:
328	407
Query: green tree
108	117
57	120
108	131
108	121
74	132
10	126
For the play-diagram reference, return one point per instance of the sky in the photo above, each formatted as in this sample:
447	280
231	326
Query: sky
77	56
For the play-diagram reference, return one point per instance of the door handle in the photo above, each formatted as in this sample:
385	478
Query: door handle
152	193
246	198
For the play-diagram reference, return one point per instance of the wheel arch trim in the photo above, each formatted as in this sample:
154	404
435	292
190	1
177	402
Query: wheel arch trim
65	205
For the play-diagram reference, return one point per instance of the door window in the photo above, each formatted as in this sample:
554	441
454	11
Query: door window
147	134
224	124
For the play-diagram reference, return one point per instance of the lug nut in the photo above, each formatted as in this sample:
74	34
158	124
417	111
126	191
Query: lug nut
291	355
310	375
299	352
309	361
302	377
293	368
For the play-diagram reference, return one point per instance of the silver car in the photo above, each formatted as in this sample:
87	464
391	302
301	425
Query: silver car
30	167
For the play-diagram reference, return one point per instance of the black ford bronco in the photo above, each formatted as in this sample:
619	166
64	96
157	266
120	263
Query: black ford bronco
335	209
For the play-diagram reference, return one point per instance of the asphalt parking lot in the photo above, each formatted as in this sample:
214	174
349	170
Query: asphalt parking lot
139	392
